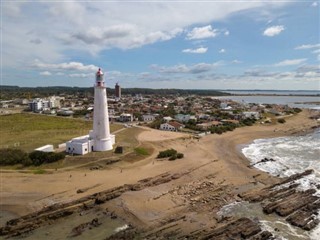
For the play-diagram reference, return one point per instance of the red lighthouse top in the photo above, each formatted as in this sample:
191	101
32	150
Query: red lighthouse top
99	78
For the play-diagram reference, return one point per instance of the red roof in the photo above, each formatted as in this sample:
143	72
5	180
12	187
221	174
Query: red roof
176	124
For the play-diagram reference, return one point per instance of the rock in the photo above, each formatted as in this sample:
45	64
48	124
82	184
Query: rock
265	235
306	217
81	191
242	228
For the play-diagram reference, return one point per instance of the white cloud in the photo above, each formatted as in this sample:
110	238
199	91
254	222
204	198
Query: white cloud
45	73
227	33
307	46
273	31
290	62
98	35
70	66
202	32
90	27
222	50
314	4
236	61
197	50
81	75
182	68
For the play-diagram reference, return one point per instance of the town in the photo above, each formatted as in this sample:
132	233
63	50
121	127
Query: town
172	112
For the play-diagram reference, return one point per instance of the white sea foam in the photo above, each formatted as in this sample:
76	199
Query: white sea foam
124	227
293	154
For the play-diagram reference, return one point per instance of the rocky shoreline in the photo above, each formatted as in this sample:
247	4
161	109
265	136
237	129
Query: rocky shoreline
283	198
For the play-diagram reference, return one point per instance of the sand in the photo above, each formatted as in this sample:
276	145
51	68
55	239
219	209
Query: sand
216	155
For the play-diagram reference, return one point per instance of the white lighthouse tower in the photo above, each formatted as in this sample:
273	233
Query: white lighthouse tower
99	139
100	134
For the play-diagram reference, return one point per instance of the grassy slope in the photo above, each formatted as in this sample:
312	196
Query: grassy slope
29	131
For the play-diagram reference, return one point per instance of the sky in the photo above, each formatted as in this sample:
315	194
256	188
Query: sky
162	44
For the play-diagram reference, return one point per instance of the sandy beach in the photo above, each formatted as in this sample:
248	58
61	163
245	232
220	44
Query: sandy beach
214	158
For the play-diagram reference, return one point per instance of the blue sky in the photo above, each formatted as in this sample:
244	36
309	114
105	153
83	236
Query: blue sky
162	44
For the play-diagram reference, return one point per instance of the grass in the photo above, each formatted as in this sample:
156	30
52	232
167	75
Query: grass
126	138
141	151
29	131
138	154
39	171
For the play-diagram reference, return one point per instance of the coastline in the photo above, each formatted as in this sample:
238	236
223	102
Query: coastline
214	157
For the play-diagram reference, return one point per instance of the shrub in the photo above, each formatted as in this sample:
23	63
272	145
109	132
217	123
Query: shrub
11	156
38	157
172	154
167	153
180	155
297	110
281	120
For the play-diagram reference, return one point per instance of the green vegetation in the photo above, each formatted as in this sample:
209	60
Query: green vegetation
293	111
141	151
37	157
39	171
16	156
172	154
10	92
156	123
13	156
248	121
223	128
281	120
29	131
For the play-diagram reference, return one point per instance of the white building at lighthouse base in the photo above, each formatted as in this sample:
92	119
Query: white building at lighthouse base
85	144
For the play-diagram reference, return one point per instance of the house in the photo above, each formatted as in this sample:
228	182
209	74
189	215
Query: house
167	119
255	115
233	121
126	117
184	117
171	126
148	118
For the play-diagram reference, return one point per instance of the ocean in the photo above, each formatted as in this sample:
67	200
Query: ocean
311	102
292	154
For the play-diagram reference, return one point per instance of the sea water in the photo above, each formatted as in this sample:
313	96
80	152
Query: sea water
291	154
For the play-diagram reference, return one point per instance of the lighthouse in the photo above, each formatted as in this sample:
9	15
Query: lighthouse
101	129
99	139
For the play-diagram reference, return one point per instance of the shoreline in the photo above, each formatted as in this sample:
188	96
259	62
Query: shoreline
214	158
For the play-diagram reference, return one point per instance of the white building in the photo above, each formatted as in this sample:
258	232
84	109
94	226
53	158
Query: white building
46	148
148	118
171	126
126	117
80	145
167	119
184	117
255	115
99	139
39	104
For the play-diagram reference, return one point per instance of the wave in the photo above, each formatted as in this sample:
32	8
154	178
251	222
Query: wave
290	155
